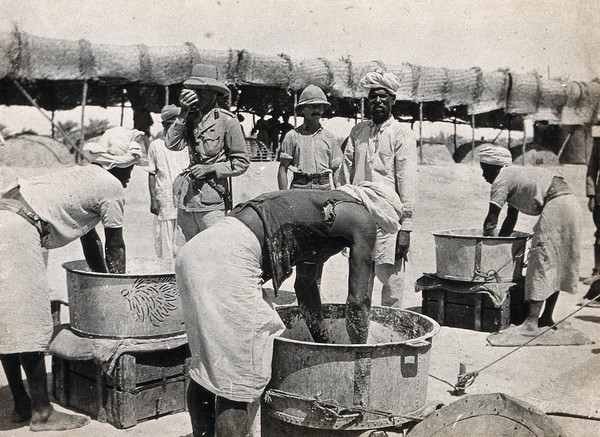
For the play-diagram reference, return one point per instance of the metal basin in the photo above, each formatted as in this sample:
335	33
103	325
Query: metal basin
466	255
355	386
142	303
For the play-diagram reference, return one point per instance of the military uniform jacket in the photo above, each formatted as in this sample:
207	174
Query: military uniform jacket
217	140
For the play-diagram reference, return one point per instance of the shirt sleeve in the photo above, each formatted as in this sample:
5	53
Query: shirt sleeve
288	146
499	190
346	172
151	167
112	209
176	136
406	175
235	148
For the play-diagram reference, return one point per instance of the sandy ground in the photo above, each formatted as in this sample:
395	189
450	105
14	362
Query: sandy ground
451	196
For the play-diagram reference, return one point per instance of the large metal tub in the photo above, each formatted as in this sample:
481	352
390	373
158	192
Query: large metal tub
142	303
466	255
355	385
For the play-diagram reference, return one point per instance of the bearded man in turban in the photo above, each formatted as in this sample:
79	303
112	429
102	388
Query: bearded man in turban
47	212
383	150
553	263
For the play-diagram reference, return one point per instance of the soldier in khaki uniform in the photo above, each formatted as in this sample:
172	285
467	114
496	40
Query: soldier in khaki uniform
217	149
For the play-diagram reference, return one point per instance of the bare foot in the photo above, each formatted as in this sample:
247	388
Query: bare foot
22	410
57	421
523	330
526	331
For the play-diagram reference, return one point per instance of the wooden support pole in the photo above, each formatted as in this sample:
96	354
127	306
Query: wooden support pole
420	132
455	139
52	123
295	115
494	140
122	107
523	145
83	102
166	95
564	144
34	103
472	137
362	110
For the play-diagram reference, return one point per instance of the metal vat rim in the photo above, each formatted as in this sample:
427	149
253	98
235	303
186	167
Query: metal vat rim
447	234
426	337
69	266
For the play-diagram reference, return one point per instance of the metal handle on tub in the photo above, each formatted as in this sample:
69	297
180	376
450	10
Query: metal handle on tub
417	343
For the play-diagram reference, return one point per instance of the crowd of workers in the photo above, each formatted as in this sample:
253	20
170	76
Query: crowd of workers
358	194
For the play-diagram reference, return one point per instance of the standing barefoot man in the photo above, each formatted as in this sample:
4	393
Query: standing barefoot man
553	264
50	211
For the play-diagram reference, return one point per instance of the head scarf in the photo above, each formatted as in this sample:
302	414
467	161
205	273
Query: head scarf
494	155
381	79
118	147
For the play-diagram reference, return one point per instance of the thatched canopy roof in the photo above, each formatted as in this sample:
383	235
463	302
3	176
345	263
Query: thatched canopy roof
53	71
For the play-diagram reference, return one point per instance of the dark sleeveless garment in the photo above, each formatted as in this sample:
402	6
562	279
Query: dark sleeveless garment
296	225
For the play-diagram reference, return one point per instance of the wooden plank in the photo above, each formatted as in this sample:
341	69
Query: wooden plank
83	395
60	380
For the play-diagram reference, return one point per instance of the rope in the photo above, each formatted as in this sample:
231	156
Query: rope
468	379
333	409
494	275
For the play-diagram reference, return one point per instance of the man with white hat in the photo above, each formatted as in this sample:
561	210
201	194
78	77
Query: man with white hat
382	150
217	151
553	261
47	212
310	151
163	167
313	154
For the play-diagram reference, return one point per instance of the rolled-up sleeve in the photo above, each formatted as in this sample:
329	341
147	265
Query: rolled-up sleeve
238	160
288	146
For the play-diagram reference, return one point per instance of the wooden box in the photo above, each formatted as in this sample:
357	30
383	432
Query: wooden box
474	311
143	385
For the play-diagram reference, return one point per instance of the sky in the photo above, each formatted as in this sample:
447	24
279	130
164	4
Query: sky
556	38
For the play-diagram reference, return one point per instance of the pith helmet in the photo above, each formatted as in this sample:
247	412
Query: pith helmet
312	95
205	76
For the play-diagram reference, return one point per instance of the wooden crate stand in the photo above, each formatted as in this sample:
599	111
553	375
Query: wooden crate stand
474	311
143	385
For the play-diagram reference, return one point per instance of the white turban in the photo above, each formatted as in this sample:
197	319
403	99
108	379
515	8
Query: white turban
381	79
494	155
118	147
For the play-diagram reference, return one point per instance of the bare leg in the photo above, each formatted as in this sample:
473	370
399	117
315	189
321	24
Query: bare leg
308	278
232	418
43	416
531	322
546	319
201	405
22	403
